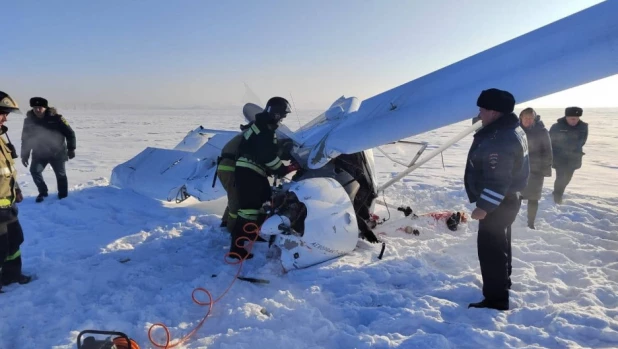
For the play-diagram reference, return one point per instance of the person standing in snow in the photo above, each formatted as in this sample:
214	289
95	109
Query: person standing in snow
226	167
11	234
258	157
568	137
52	141
540	152
496	171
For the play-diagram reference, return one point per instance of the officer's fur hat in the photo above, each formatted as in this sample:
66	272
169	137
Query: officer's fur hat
498	100
573	111
38	102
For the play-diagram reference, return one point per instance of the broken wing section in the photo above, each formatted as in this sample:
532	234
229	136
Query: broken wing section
175	174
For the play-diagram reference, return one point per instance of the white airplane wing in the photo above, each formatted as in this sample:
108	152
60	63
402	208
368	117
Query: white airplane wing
575	50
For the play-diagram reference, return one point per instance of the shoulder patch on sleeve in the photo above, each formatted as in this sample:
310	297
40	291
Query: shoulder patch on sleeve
64	120
493	160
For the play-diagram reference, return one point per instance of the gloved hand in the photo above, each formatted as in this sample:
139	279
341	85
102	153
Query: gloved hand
292	167
18	196
71	154
24	161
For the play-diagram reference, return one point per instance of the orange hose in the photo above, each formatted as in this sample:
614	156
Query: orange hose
255	229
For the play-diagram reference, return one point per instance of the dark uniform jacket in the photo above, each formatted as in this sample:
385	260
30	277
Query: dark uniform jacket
568	143
259	150
48	138
540	153
539	148
497	163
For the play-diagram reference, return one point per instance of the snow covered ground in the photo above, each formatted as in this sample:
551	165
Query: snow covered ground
110	259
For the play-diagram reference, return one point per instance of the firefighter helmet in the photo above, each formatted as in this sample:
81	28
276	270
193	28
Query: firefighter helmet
8	104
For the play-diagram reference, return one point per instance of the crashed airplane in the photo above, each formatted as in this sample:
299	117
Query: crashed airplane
313	217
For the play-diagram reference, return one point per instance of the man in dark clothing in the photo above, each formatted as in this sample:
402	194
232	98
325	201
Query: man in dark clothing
540	153
568	137
52	141
496	170
258	157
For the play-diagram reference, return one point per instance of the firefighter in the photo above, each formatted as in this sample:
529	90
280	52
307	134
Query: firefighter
496	171
225	172
258	158
11	234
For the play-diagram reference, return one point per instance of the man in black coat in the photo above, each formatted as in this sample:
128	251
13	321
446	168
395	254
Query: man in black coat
51	140
540	153
497	169
568	137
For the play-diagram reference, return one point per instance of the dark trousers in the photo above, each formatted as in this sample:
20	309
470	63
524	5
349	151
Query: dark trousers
58	165
10	254
231	210
533	207
494	249
252	190
563	178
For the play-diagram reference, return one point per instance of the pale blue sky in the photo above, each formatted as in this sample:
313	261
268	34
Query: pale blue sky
202	52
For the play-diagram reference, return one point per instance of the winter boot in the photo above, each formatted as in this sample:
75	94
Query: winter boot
490	304
41	197
20	279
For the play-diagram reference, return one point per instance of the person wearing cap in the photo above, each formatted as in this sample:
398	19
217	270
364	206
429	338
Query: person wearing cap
51	140
540	153
258	158
11	233
497	169
568	137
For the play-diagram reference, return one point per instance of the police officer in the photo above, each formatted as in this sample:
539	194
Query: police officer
568	137
11	234
258	157
44	133
496	170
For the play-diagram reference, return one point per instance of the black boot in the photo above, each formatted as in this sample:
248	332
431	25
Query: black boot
533	207
41	197
11	273
490	304
20	279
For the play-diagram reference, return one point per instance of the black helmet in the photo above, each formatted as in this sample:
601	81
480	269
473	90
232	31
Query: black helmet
8	104
277	108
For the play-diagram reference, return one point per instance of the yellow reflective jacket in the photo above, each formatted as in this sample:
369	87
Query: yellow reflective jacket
8	174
